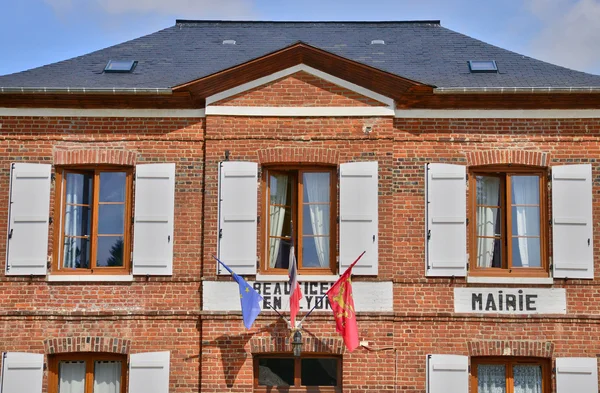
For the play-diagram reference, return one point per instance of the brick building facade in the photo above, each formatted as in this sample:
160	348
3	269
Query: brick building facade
460	290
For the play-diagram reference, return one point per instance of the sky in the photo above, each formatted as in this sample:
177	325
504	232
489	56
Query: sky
38	32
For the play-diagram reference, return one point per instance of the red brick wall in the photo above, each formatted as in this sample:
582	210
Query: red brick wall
299	89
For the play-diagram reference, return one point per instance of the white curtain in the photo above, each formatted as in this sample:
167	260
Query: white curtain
74	183
525	191
491	378
528	379
279	187
318	190
487	188
71	377
107	377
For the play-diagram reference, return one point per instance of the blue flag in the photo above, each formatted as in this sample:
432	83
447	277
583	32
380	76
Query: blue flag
249	298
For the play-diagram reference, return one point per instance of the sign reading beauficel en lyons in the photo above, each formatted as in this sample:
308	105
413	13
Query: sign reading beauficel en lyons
510	300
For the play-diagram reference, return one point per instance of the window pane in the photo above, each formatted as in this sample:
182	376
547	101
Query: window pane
491	378
280	221
315	220
279	253
110	251
281	189
107	377
528	378
488	221
315	251
71	377
111	219
76	253
525	221
79	188
526	252
77	220
319	372
525	190
316	187
112	186
276	372
488	190
489	252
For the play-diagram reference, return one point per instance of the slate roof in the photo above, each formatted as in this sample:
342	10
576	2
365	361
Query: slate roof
422	51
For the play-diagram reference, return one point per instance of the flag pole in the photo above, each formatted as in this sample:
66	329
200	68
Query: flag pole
264	301
320	299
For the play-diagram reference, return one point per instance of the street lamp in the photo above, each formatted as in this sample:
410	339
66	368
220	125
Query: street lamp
297	343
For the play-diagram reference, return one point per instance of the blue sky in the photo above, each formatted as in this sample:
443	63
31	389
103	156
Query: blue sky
38	32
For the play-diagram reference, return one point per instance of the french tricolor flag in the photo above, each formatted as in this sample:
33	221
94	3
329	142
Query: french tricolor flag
295	292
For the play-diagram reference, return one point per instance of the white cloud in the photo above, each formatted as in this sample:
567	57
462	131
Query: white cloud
189	9
570	33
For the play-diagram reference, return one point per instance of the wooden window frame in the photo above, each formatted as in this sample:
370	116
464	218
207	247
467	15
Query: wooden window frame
297	388
509	362
89	358
297	191
59	211
505	172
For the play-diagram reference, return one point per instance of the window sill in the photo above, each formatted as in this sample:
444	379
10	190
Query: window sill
509	280
89	278
301	278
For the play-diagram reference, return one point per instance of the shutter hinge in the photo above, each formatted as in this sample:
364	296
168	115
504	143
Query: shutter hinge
10	233
550	222
53	176
337	219
258	219
467	221
220	233
469	368
467	265
467	176
428	234
50	220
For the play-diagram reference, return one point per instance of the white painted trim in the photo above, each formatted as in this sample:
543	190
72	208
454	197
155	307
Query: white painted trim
497	113
89	278
301	278
292	70
68	112
510	280
317	111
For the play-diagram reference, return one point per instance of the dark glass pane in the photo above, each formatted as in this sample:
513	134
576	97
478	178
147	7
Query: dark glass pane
110	251
315	251
525	190
276	372
526	252
489	252
319	372
79	188
112	186
77	220
76	253
279	253
315	220
525	221
316	187
71	375
111	219
488	190
281	189
488	221
491	378
280	221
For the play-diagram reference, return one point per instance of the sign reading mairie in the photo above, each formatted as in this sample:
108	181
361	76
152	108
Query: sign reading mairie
510	300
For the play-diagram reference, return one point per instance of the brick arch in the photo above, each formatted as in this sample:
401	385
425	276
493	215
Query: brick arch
87	344
538	349
94	156
520	157
330	345
298	154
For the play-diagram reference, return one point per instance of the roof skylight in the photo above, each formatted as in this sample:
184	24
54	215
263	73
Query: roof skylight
377	42
229	42
483	66
120	66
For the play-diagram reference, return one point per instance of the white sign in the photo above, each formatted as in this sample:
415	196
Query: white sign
510	300
368	296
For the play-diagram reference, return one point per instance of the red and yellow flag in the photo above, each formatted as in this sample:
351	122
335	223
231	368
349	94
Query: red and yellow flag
342	304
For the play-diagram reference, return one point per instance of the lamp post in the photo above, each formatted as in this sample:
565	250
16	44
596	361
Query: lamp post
297	343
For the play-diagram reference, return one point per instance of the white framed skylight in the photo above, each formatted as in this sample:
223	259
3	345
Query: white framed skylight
120	66
482	66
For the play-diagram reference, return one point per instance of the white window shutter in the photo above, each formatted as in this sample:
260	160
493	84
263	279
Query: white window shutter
446	220
573	243
576	375
153	219
149	372
447	374
238	181
29	215
359	210
22	372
